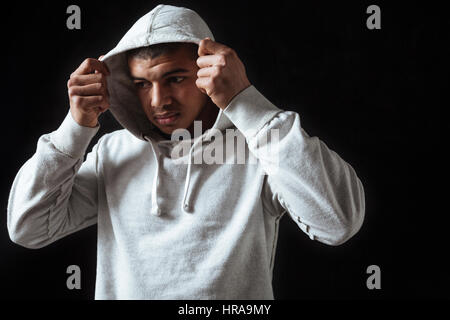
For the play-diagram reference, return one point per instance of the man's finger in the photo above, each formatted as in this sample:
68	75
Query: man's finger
207	72
90	65
100	59
85	79
208	46
203	84
88	90
211	60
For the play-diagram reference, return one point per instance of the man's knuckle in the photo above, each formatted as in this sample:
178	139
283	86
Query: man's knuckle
75	80
226	52
217	70
89	62
223	60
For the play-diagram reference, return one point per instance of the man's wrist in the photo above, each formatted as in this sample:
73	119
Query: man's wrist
83	121
72	138
250	111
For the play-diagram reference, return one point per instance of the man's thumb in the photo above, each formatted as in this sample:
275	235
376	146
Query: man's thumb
203	47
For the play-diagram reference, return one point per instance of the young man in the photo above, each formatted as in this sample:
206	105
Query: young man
173	227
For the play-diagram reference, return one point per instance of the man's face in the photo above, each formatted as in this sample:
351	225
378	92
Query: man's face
167	90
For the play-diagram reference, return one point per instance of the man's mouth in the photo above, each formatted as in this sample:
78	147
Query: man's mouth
167	118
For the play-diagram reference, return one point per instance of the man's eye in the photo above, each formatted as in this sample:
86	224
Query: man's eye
176	79
142	84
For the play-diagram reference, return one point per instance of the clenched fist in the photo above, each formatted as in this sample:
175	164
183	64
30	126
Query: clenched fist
222	74
88	93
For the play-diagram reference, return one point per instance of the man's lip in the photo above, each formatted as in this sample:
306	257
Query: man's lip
167	118
166	115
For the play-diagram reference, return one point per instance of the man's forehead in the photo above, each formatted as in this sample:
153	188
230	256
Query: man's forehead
156	67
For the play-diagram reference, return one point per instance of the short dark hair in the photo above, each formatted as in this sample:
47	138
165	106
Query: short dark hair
159	49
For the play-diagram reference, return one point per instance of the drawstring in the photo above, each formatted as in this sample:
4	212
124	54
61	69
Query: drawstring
185	204
155	208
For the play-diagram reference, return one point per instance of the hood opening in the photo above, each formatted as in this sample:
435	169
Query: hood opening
164	24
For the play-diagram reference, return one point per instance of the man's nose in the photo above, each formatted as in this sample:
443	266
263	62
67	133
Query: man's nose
160	96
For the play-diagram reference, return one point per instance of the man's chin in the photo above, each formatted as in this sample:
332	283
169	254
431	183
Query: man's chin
167	131
187	130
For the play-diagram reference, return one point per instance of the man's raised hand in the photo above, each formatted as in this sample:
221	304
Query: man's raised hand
88	93
222	74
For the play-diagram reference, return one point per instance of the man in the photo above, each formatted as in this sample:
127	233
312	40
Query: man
172	227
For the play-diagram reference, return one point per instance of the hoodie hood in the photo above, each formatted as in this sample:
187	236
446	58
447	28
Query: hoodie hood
164	24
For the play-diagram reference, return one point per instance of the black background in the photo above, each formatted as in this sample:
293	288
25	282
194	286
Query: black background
373	96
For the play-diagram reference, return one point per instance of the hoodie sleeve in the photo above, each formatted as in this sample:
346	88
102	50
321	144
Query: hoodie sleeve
55	193
319	190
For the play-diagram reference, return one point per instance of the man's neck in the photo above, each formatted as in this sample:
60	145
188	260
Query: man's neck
207	116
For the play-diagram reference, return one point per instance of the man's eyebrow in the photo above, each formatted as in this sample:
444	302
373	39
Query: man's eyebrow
138	78
179	70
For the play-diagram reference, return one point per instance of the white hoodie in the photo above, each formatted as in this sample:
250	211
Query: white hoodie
175	230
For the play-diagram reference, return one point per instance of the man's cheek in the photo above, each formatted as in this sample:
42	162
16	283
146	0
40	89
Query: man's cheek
191	86
146	103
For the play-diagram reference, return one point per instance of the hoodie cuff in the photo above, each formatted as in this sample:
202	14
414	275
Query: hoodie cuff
71	138
250	111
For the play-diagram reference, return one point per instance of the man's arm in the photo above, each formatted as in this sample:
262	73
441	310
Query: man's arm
55	193
319	190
